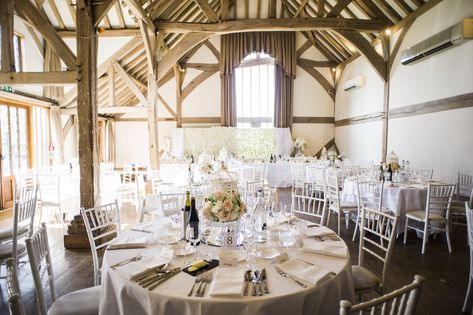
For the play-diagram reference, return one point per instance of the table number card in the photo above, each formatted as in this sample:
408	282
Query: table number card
229	237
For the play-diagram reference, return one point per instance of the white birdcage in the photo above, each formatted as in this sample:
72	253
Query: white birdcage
223	180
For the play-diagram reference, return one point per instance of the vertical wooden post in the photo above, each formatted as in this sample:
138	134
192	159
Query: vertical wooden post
7	63
178	76
87	103
153	103
111	87
385	120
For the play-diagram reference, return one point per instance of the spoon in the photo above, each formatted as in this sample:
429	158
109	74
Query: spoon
248	278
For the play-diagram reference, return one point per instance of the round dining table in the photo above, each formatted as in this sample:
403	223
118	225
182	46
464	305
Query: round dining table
398	198
120	295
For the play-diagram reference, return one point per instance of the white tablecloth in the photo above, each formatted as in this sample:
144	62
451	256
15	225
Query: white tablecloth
121	296
399	199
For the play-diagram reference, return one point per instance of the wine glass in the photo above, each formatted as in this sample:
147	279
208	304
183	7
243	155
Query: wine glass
193	238
182	244
276	210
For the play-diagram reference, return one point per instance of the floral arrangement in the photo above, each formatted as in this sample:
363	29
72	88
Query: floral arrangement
342	156
223	206
332	155
300	143
394	166
206	164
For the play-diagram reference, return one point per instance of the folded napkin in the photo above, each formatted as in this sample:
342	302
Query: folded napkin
282	220
327	248
319	231
124	242
137	268
228	282
304	271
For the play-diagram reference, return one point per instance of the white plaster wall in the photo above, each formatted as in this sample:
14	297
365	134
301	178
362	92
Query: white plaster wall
131	143
361	141
32	60
441	140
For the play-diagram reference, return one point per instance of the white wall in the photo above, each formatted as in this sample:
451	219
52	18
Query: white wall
441	140
131	145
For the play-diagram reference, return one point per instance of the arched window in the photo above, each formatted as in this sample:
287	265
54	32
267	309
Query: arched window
254	85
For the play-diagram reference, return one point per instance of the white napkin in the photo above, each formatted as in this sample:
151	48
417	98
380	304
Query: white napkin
282	220
228	282
327	248
319	231
129	241
304	271
137	268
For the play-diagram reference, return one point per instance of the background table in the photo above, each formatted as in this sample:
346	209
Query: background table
121	296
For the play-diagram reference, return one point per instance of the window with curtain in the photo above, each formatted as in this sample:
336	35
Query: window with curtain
14	138
255	83
41	136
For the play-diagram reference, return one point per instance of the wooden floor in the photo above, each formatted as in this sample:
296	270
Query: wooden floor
446	274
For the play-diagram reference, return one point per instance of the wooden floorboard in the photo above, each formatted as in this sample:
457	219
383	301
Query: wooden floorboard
443	293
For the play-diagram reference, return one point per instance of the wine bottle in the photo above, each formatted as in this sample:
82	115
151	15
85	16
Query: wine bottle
194	220
381	172
260	218
185	214
390	172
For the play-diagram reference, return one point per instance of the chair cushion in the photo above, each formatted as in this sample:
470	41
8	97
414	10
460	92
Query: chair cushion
419	215
349	206
363	279
6	250
83	302
7	233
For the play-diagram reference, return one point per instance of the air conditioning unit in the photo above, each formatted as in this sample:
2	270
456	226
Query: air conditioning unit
454	35
354	83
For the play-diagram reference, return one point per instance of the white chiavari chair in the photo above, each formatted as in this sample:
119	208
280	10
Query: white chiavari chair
299	184
13	290
102	224
132	192
250	189
377	238
435	217
366	164
312	203
85	301
154	178
151	205
425	174
402	301
468	303
49	184
27	179
23	216
171	203
464	192
370	194
335	205
128	174
200	191
259	170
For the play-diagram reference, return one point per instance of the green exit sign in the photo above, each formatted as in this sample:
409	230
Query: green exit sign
6	88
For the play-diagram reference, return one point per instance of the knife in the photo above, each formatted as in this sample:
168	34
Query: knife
158	276
247	281
255	283
259	284
165	278
264	279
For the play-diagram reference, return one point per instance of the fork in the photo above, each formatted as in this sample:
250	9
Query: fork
126	261
206	280
282	273
197	280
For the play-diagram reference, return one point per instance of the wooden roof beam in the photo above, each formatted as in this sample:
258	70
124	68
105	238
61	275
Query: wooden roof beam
253	25
207	9
54	78
339	7
26	9
100	10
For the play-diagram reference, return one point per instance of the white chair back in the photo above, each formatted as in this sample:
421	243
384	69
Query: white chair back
40	260
370	194
27	179
378	233
102	223
171	203
151	204
200	191
250	189
128	174
439	200
13	290
467	304
49	188
366	164
464	185
154	178
402	301
425	174
259	170
298	176
333	191
310	202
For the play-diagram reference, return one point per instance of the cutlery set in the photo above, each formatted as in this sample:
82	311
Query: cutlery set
126	261
202	280
156	277
258	280
286	275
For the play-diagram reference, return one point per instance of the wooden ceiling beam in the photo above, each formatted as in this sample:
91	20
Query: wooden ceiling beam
403	6
182	47
121	18
300	8
224	9
207	9
130	83
321	8
316	64
368	51
201	77
414	15
328	87
116	32
26	9
54	78
339	7
300	24
101	9
388	10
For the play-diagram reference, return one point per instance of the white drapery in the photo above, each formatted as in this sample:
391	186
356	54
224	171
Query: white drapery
249	142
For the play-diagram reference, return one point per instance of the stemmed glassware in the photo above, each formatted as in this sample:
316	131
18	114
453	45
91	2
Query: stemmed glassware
193	238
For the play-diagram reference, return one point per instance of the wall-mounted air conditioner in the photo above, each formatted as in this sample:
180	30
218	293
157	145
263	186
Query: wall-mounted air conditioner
354	83
454	35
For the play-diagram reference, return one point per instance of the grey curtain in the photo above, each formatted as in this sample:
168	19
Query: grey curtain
282	47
